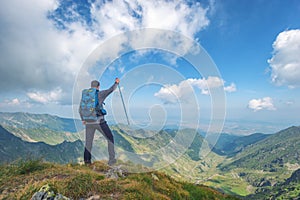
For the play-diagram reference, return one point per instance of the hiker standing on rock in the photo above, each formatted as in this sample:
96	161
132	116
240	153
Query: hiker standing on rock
92	115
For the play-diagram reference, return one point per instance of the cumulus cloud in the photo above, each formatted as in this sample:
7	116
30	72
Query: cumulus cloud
175	93
205	84
46	97
230	88
183	91
116	16
285	62
265	103
36	55
14	103
43	44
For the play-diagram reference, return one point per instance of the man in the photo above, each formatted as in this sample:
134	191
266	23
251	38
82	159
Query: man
99	125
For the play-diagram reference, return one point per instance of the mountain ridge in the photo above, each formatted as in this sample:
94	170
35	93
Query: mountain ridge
230	145
274	150
13	148
29	120
41	127
196	161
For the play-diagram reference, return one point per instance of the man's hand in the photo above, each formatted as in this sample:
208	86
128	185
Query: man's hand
117	80
83	122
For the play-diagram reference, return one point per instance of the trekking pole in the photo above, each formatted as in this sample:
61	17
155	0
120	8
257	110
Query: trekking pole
123	104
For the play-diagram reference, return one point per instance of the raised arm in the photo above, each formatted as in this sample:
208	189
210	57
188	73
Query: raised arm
104	93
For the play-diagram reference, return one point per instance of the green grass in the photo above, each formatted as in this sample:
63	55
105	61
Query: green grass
203	193
229	184
21	180
19	169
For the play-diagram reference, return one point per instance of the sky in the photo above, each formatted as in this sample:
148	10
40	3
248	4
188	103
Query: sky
52	49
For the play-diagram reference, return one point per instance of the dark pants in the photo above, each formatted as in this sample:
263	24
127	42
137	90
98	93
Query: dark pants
89	137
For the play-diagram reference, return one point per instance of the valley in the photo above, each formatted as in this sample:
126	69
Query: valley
251	167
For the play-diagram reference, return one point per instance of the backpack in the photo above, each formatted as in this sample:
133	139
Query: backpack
89	105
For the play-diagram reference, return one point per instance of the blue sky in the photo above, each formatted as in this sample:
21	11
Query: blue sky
254	44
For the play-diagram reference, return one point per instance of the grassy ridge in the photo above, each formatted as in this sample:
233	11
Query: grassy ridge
21	180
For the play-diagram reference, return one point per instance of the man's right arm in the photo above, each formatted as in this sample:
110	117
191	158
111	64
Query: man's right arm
104	93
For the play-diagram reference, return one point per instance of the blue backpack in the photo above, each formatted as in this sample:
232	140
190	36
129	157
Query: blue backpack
89	105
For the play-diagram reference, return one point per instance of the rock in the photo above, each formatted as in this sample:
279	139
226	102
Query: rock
295	177
96	197
46	193
116	172
273	170
264	183
154	177
242	174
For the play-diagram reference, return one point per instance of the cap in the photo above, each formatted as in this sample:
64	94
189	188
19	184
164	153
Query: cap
95	83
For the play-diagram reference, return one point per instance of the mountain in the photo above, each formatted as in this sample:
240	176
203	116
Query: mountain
13	148
266	163
97	181
237	165
270	154
289	189
230	145
29	121
41	127
141	141
251	164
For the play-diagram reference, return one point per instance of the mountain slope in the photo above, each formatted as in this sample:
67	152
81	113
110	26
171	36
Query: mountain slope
13	148
246	165
27	121
230	145
271	153
187	160
40	127
97	181
43	134
289	189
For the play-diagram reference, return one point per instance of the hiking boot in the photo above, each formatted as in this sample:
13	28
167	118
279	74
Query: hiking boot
112	162
87	162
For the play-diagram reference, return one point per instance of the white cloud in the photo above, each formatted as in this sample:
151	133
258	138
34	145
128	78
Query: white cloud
183	91
38	56
46	97
175	93
230	88
206	84
289	103
265	103
35	55
121	69
174	15
210	83
285	63
114	17
14	102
